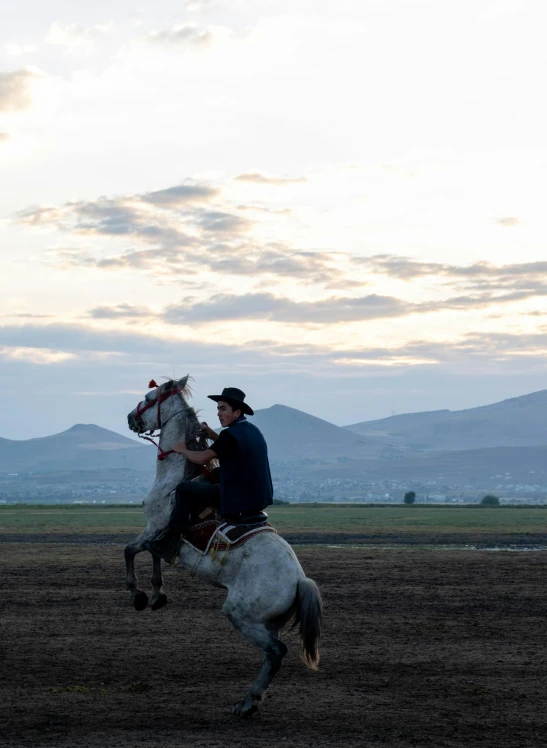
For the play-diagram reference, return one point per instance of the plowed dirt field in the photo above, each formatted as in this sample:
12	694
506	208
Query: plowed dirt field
420	648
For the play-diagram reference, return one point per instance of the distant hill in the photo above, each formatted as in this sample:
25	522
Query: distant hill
488	467
404	445
519	421
81	447
294	435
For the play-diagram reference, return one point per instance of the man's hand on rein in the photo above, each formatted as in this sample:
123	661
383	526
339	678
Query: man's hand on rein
180	448
198	458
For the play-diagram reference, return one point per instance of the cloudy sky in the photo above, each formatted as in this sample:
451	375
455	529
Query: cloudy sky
335	206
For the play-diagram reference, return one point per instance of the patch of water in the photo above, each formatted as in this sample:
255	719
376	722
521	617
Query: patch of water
459	547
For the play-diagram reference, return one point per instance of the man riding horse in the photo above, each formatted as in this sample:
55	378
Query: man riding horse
245	487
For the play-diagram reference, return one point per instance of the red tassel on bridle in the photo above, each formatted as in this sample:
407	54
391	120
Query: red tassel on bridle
152	383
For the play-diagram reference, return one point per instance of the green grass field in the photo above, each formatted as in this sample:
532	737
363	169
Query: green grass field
401	520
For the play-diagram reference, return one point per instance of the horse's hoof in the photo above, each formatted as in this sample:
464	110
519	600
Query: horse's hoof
140	600
244	709
160	601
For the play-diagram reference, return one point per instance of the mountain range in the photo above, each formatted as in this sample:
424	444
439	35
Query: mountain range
519	421
81	447
415	442
292	435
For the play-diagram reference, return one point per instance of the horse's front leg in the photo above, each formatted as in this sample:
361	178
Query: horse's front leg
138	597
159	598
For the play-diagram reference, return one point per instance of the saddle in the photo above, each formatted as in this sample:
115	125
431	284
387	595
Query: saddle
211	533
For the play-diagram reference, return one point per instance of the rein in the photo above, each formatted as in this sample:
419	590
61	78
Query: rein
161	454
159	399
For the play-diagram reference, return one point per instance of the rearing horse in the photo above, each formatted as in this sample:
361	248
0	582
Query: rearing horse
266	586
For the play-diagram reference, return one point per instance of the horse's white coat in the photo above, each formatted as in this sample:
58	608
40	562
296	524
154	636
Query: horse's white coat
265	583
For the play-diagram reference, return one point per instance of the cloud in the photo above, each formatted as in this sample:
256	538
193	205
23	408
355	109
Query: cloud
42	216
112	217
179	262
122	219
329	311
173	232
14	90
157	263
77	338
314	267
467	351
183	231
508	221
74	35
132	348
407	268
184	35
68	344
26	315
258	178
263	209
39	356
180	195
120	311
491	346
266	306
345	386
530	278
220	222
188	228
138	215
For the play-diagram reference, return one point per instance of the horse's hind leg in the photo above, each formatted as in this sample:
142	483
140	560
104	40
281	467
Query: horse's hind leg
264	637
138	597
159	598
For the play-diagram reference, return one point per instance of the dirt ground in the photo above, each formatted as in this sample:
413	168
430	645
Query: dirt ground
420	648
486	540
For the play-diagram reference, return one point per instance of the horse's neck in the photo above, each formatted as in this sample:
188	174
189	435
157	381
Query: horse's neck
170	472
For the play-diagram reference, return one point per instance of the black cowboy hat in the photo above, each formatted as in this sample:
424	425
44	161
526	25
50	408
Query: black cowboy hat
233	397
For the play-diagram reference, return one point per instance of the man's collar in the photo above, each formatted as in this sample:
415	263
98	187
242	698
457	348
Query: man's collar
241	419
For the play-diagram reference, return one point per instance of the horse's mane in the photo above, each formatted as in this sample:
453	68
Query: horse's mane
194	432
194	436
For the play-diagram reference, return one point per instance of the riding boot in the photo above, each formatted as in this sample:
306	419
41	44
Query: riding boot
165	543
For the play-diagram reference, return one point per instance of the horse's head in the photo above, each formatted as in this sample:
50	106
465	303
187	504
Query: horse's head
158	405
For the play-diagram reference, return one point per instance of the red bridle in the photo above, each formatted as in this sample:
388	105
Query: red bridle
159	399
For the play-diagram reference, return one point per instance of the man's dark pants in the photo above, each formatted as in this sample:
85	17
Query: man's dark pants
191	495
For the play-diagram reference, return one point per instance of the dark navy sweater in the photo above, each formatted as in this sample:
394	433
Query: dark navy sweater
245	478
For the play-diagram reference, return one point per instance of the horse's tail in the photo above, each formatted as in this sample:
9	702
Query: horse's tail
308	614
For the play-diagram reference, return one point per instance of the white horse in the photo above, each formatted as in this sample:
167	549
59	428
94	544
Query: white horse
266	586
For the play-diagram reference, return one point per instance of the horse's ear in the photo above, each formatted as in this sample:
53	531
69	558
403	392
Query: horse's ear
183	382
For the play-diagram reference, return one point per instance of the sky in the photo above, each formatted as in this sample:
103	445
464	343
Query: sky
339	207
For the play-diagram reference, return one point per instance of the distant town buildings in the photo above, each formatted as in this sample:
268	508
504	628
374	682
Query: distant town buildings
293	482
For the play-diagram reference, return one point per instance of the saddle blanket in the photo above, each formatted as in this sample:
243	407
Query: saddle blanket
215	535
